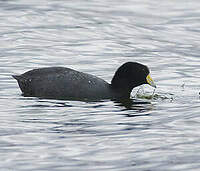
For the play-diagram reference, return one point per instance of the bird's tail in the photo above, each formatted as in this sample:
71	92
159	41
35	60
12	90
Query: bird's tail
17	77
21	81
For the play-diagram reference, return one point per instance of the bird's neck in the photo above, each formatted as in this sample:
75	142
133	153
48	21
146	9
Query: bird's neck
121	92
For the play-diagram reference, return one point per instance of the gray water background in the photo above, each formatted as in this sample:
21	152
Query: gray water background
97	37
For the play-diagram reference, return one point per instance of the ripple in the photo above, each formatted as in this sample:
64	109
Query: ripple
151	131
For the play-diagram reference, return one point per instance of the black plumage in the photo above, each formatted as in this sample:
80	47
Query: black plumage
66	83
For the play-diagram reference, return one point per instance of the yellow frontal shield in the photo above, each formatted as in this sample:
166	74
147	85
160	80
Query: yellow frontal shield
150	81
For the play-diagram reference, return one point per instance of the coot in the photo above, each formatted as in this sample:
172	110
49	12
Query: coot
66	83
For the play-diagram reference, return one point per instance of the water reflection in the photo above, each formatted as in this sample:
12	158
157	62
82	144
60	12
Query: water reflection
128	104
133	104
96	37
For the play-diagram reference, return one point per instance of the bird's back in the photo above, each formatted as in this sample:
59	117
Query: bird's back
62	83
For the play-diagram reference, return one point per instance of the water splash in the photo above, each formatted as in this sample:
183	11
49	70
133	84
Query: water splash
142	94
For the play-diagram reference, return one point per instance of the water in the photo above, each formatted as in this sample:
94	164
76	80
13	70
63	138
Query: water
160	133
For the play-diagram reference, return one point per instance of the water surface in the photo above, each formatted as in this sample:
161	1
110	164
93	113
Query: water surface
160	133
